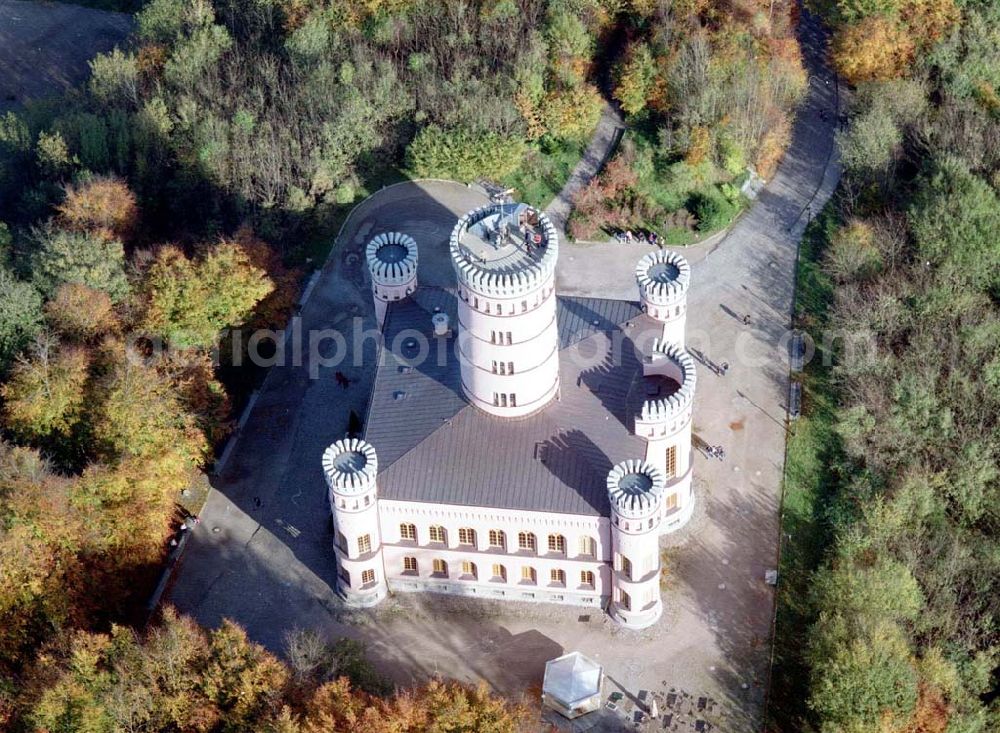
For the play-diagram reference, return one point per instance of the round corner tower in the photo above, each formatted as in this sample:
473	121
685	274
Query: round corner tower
392	264
635	491
663	419
504	257
663	277
350	466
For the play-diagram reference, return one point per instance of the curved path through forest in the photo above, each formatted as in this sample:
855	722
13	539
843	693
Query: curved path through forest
602	144
262	553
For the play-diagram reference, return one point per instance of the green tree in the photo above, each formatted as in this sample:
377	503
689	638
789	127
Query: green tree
62	256
634	79
955	217
20	315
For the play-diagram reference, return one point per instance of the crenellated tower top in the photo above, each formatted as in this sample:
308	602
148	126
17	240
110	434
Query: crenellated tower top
670	377
392	258
350	466
504	250
635	488
663	277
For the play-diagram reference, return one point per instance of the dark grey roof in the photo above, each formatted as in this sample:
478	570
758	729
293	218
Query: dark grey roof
435	447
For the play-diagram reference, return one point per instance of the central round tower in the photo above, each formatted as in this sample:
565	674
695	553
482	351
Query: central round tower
504	257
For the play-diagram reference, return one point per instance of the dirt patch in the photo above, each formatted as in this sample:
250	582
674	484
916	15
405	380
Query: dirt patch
736	425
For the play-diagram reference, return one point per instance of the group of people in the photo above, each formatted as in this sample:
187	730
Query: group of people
628	237
716	451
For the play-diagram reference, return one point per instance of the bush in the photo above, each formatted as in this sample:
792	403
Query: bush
712	209
463	155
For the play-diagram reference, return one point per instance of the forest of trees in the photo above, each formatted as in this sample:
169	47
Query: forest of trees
709	89
889	618
178	194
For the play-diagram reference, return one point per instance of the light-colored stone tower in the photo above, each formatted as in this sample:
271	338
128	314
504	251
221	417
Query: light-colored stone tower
663	420
392	263
635	490
663	279
350	466
504	257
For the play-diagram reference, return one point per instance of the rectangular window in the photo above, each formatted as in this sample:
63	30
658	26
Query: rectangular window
466	536
510	367
509	341
503	400
672	501
436	533
441	568
558	577
496	400
493	337
513	400
408	532
625	600
409	564
625	566
524	306
498	539
364	544
494	366
586	546
367	576
503	368
345	576
672	461
341	542
587	578
500	573
528	575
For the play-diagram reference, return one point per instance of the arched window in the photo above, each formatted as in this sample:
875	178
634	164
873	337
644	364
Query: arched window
409	565
498	539
440	568
499	573
526	542
468	570
408	532
587	546
557	544
437	533
467	536
528	575
557	577
587	578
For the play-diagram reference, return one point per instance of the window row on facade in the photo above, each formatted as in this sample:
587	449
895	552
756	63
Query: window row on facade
498	308
497	540
503	367
469	570
504	399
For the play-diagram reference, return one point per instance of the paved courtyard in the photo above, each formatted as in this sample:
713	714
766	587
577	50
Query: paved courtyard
262	553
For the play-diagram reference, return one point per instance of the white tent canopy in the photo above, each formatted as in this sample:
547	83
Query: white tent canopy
572	684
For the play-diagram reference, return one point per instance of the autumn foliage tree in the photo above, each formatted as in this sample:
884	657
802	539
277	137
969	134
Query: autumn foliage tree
100	204
189	301
180	677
